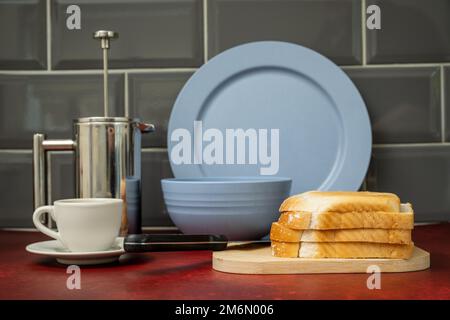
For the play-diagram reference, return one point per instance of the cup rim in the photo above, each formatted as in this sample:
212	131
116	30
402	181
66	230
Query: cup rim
87	201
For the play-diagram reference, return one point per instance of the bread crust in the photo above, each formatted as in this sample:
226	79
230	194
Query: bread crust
355	250
285	249
349	220
280	232
341	201
343	250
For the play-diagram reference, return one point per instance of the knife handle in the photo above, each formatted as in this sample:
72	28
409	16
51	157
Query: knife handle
173	242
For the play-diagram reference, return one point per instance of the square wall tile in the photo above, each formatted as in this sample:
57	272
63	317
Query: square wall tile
330	27
62	173
151	98
155	166
411	31
48	104
404	104
23	35
152	33
16	189
419	175
447	102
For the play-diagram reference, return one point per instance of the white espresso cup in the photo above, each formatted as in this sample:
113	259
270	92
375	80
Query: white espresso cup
84	225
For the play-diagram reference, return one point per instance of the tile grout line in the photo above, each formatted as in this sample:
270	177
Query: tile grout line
174	70
16	151
49	35
442	93
416	144
363	33
154	70
126	88
397	65
160	228
95	71
157	149
205	31
154	149
19	229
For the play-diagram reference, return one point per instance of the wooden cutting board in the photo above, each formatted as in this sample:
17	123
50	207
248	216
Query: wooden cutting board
258	259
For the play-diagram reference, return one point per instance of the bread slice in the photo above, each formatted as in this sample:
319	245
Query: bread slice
342	250
280	232
285	249
342	201
350	220
355	250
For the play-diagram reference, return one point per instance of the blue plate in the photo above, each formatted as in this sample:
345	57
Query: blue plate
322	122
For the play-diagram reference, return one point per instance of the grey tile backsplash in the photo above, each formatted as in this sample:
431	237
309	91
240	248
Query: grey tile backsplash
16	189
420	175
411	31
48	103
331	27
23	34
151	97
155	166
62	174
404	104
153	33
446	76
402	72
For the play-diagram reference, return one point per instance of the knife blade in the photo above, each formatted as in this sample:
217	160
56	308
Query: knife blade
179	242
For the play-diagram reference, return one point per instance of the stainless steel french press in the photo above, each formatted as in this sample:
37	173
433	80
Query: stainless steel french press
107	149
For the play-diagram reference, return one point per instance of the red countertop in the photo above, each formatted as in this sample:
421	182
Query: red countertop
188	275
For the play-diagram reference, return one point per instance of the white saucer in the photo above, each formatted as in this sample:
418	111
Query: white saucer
54	248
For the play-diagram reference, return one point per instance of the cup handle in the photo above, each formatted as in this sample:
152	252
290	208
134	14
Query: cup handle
42	228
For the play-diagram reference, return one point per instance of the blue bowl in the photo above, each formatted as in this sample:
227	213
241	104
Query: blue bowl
240	208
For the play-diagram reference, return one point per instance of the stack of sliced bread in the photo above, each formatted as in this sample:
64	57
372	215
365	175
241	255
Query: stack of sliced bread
343	225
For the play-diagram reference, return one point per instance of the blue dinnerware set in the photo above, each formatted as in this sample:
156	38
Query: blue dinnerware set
255	124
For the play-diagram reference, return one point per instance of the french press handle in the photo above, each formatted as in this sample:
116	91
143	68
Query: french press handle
40	148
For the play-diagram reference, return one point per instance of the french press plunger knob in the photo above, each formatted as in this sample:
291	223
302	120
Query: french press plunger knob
105	36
